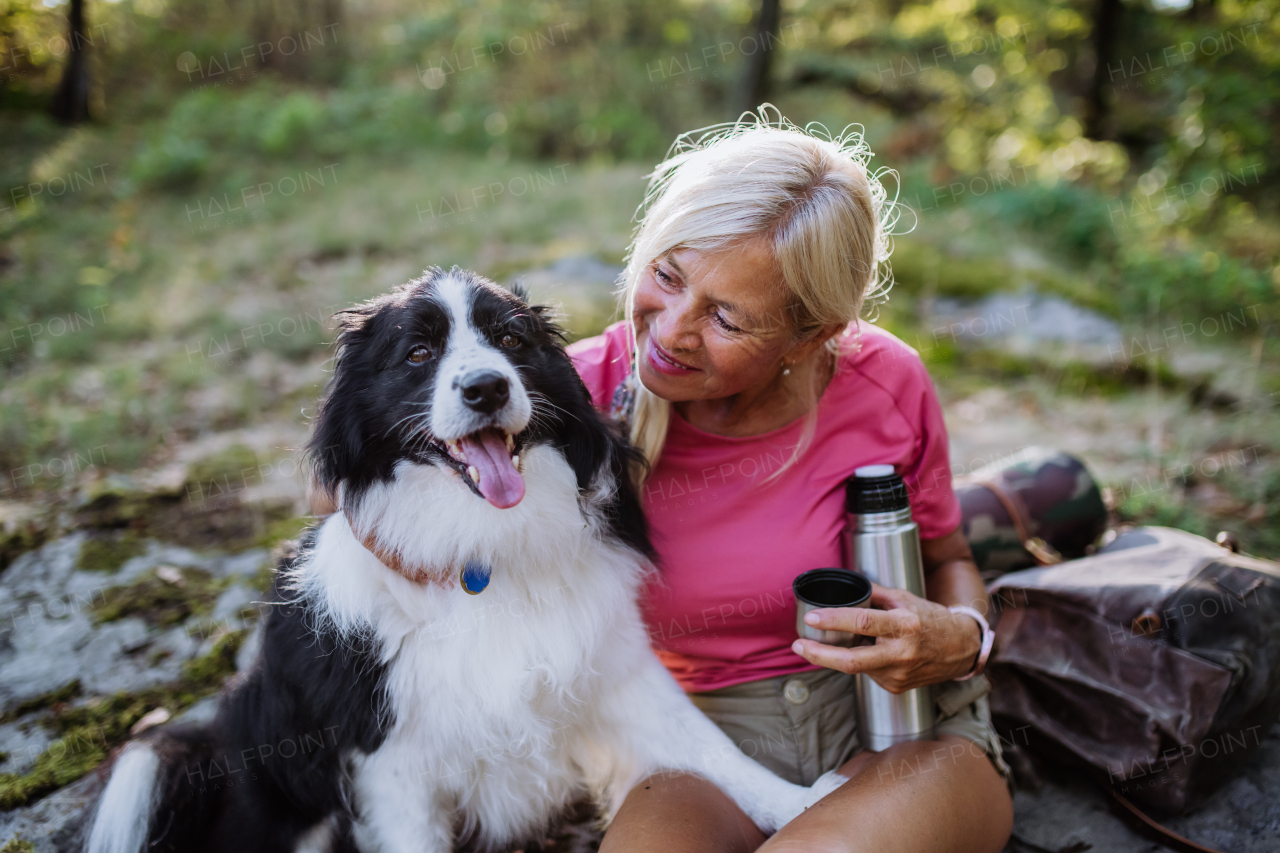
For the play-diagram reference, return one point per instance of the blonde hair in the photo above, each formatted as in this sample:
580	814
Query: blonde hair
826	217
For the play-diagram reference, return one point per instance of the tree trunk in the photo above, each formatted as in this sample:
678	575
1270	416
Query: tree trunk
1106	20
756	85
71	104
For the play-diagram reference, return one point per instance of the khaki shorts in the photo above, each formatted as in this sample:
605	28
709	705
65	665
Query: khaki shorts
801	726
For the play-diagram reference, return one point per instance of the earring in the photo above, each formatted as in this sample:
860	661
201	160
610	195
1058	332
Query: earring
786	369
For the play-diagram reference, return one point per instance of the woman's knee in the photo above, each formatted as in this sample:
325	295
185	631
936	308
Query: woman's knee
676	812
907	797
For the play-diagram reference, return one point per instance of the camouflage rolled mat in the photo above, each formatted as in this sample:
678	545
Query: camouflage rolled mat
1059	501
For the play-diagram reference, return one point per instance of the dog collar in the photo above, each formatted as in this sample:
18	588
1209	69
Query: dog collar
473	577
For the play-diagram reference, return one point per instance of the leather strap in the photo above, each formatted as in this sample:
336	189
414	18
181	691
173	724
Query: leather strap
1044	553
1168	836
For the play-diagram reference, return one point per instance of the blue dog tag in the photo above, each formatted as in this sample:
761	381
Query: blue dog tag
474	577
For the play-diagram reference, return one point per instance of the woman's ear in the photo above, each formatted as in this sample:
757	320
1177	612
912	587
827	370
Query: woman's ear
817	339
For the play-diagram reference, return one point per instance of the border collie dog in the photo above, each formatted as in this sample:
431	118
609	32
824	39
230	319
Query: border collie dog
456	655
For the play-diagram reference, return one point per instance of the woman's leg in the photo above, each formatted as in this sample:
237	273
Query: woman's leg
942	795
680	813
918	797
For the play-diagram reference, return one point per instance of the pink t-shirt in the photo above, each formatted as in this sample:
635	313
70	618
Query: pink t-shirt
721	610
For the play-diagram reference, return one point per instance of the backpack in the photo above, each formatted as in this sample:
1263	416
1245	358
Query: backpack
1155	661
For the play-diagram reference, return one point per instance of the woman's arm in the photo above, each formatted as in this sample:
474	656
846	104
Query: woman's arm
950	574
920	641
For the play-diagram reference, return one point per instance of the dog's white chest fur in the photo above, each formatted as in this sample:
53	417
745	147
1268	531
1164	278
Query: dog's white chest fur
495	697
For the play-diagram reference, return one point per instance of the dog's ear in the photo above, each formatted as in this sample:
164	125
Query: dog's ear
548	315
337	437
519	291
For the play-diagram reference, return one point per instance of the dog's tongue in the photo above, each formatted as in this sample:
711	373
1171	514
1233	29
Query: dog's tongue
500	482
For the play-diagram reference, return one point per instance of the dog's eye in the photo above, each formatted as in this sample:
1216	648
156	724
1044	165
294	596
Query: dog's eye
418	355
510	341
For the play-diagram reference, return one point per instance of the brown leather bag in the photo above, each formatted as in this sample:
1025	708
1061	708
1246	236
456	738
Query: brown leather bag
1155	661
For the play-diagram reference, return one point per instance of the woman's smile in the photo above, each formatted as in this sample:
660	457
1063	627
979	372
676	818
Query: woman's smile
663	362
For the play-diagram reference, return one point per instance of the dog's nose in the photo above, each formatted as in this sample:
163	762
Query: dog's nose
485	390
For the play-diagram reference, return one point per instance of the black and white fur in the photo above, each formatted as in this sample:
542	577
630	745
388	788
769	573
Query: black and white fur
449	719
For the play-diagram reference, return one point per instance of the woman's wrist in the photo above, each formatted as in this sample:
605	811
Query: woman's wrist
984	640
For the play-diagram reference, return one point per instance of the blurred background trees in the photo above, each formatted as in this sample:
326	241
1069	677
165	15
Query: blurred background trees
1106	104
1118	154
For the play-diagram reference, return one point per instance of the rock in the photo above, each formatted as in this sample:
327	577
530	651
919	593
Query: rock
23	741
1027	318
581	276
1241	817
249	649
201	712
582	288
55	823
48	634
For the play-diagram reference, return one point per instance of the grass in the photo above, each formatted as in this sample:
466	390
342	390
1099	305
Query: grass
1246	506
207	321
191	319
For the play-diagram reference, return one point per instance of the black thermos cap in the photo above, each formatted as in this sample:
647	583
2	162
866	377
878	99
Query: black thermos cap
875	488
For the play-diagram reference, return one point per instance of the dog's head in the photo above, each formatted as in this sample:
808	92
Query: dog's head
454	371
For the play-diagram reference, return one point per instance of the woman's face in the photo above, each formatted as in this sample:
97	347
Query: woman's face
711	324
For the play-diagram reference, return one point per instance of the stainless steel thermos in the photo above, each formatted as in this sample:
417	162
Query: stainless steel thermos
883	543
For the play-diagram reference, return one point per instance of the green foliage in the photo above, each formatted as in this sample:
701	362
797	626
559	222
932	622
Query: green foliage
172	162
290	124
1073	219
1195	286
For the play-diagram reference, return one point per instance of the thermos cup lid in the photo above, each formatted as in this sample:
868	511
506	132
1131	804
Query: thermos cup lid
832	587
875	488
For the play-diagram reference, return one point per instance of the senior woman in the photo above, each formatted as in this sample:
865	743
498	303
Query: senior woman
743	374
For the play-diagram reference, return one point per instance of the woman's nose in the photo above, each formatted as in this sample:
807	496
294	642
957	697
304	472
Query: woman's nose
670	317
674	328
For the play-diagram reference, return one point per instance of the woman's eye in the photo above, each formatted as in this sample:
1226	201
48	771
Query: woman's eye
720	321
662	276
418	355
509	341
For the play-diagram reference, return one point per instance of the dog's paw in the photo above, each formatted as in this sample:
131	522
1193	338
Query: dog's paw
788	805
825	784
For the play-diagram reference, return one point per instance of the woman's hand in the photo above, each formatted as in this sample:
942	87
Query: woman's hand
918	642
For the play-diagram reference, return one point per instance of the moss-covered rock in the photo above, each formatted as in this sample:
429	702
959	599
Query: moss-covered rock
15	543
163	597
107	552
223	474
88	733
51	699
283	529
